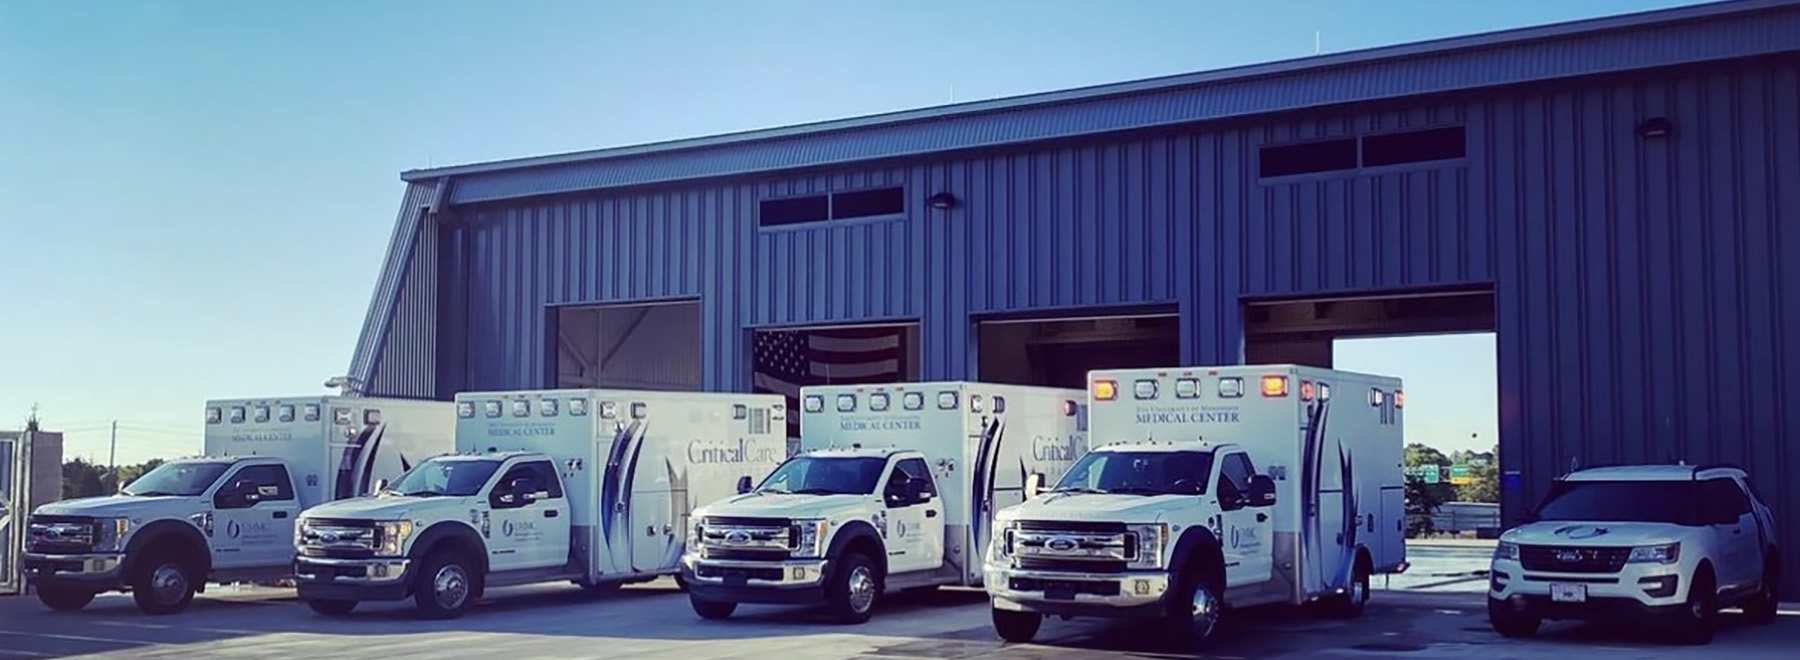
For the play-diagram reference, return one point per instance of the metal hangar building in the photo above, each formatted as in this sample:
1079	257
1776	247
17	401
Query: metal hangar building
1612	197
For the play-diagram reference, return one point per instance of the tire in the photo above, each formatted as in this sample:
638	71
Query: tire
1351	605
681	583
64	599
1017	627
332	607
163	585
1761	610
1511	623
1196	607
712	610
1699	618
446	586
854	589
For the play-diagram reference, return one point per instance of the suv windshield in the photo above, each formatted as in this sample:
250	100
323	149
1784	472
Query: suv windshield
183	478
1139	473
457	477
1674	502
821	475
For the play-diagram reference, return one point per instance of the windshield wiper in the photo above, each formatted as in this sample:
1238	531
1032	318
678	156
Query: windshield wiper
1080	489
815	491
151	493
1137	490
420	493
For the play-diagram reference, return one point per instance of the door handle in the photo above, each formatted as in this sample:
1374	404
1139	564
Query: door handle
1262	517
931	514
280	514
550	513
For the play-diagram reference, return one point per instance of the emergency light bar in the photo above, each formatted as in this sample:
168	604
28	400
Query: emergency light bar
815	403
547	407
262	414
947	400
491	408
1274	386
214	415
1144	388
310	413
521	408
1231	387
1187	388
286	413
878	402
846	402
237	414
578	406
465	409
913	401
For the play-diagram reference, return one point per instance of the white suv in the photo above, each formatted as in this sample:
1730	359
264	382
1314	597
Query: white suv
1662	544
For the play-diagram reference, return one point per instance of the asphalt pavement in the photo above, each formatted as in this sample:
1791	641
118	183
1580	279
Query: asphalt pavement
1418	616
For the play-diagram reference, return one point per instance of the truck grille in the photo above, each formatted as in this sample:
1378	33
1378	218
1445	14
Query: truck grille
1566	559
60	534
752	539
1077	547
345	539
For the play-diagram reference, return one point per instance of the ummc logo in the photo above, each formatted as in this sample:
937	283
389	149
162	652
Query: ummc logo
1187	416
878	424
1055	448
535	429
509	527
733	451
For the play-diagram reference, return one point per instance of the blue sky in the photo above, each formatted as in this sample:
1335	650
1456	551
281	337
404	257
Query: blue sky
195	196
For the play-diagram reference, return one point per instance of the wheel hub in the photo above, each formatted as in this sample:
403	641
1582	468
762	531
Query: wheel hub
450	587
169	583
862	589
1204	612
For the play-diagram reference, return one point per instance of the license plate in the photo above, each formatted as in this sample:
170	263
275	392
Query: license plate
1568	593
1059	593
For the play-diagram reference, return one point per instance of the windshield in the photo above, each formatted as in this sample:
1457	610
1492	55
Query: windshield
1139	473
1674	502
457	477
183	478
815	475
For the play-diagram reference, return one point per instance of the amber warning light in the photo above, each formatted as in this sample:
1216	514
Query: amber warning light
1106	390
1273	386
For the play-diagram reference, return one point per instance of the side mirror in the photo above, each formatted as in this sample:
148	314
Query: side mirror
381	485
1034	485
918	491
507	499
744	485
1262	490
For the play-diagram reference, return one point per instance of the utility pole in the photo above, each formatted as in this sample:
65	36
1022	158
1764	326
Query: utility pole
112	458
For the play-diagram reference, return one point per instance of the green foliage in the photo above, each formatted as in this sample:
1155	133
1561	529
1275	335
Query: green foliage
84	479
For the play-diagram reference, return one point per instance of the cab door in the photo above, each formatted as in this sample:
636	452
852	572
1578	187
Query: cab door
253	518
1244	524
529	517
915	513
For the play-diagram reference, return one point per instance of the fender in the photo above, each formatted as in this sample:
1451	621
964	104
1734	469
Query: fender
163	531
855	530
1193	540
450	530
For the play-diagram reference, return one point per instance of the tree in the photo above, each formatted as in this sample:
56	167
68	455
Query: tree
1417	455
130	473
83	479
1485	470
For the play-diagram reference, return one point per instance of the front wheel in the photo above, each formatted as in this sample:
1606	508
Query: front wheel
163	586
1512	623
1017	627
332	607
446	587
854	589
712	609
1699	615
65	600
1194	612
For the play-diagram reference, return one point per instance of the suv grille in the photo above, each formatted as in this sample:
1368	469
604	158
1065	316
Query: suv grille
1568	559
61	534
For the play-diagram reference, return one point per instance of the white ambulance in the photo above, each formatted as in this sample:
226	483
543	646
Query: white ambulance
586	486
229	516
1208	487
893	489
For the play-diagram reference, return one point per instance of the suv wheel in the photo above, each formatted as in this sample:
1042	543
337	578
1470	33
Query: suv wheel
1698	617
1762	608
1511	622
1017	627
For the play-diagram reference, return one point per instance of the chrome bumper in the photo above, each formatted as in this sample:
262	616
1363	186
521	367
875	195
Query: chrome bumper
1133	589
794	572
71	567
373	570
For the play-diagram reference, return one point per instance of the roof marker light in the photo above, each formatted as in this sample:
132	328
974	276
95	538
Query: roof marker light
465	409
975	403
1306	390
214	415
578	406
262	414
608	410
310	412
547	407
1324	391
1375	396
1070	408
285	413
1106	389
1274	386
1399	399
913	401
814	403
947	400
521	408
1231	387
1187	388
846	402
878	402
1144	388
999	404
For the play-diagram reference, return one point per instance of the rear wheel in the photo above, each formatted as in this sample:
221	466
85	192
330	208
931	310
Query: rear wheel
446	587
332	607
1762	609
854	589
64	599
1017	627
1351	604
164	585
711	609
1510	622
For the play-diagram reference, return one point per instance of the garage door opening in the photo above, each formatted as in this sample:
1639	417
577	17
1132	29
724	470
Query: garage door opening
651	346
1059	352
784	360
1441	344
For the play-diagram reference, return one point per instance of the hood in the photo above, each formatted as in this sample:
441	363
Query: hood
1096	507
784	505
123	506
379	508
1595	534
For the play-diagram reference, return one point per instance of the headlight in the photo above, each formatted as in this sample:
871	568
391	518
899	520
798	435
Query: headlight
1150	541
300	532
1000	546
696	537
1506	551
112	533
393	537
809	537
1655	554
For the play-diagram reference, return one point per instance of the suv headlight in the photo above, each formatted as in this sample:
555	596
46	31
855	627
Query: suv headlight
1655	554
809	537
111	533
1147	543
1506	551
696	537
393	537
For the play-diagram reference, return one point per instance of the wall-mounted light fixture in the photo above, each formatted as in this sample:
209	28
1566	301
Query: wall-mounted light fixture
1655	127
942	201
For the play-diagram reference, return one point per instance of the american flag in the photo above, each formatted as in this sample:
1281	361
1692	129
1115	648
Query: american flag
786	360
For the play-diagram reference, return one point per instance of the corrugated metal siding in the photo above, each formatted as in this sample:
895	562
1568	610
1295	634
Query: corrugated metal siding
1775	30
1642	294
406	284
